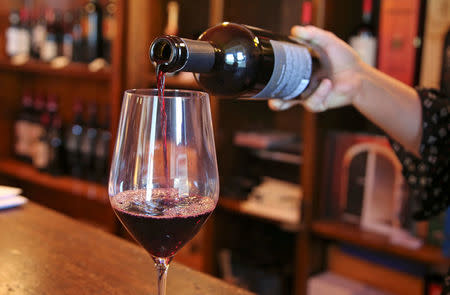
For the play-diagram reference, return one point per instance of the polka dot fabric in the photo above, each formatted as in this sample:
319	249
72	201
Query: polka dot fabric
428	177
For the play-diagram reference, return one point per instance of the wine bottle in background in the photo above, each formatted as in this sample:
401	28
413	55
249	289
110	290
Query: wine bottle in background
445	72
13	34
102	148
109	28
73	141
77	36
25	32
49	49
67	43
22	129
38	34
88	139
59	31
364	40
40	146
52	107
94	43
232	60
55	146
35	126
306	18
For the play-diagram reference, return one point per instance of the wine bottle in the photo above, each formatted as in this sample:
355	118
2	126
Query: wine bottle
306	18
73	141
77	37
55	146
40	147
94	43
102	147
49	49
109	28
13	34
38	34
22	129
25	32
67	43
232	60
87	147
363	40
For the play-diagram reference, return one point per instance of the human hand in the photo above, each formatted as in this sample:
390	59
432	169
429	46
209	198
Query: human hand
344	83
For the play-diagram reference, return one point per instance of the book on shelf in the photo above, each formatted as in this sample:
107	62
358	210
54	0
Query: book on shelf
275	199
269	140
398	38
398	276
437	22
330	283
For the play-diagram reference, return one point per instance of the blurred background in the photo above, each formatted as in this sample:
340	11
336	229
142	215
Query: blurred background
310	203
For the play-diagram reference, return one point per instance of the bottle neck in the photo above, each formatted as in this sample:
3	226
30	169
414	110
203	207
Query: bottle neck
173	54
367	12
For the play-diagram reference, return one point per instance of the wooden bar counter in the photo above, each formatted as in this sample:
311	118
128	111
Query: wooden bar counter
45	252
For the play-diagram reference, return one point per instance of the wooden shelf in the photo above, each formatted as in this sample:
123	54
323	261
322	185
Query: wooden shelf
28	173
341	231
73	70
236	206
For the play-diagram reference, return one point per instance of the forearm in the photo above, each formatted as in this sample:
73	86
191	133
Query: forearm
391	105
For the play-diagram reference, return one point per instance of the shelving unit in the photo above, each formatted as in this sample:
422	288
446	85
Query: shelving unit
236	206
139	22
353	234
66	184
72	70
84	200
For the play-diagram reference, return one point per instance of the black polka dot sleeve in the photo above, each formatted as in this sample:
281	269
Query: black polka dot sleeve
428	177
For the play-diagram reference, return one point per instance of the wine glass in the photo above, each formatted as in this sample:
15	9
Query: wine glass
164	181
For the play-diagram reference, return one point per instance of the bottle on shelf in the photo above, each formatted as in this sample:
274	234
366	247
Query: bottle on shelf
35	126
364	40
38	33
41	147
25	32
13	34
232	60
93	30
306	18
102	148
109	28
22	129
49	49
77	37
88	139
67	42
55	147
73	141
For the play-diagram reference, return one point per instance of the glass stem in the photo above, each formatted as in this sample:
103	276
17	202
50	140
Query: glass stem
162	266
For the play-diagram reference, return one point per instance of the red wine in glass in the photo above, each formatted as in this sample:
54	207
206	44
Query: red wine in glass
161	224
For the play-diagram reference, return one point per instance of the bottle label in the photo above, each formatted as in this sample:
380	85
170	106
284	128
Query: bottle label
22	130
49	50
41	154
12	41
291	72
366	47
